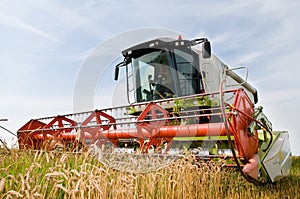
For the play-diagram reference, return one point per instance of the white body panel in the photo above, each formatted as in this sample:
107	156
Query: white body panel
278	161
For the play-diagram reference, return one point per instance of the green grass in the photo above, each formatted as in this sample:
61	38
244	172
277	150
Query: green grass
62	175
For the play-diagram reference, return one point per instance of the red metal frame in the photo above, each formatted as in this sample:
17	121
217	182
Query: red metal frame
154	124
87	132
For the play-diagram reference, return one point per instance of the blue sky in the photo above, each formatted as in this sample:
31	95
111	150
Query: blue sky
45	44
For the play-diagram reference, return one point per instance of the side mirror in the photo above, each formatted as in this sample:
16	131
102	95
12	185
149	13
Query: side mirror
206	50
117	67
117	72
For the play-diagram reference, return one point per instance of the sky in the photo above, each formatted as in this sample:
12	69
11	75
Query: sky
45	47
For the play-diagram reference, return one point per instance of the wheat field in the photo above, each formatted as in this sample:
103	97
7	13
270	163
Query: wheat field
36	174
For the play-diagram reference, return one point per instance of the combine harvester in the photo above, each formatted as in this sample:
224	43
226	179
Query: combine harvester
181	99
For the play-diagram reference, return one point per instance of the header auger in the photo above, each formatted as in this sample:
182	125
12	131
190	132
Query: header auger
180	98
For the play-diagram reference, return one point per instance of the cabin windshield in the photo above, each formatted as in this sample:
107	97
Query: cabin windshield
159	74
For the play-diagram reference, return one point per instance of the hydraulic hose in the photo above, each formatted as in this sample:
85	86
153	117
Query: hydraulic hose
260	123
247	177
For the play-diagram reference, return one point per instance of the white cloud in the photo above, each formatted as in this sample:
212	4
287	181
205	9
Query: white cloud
14	22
